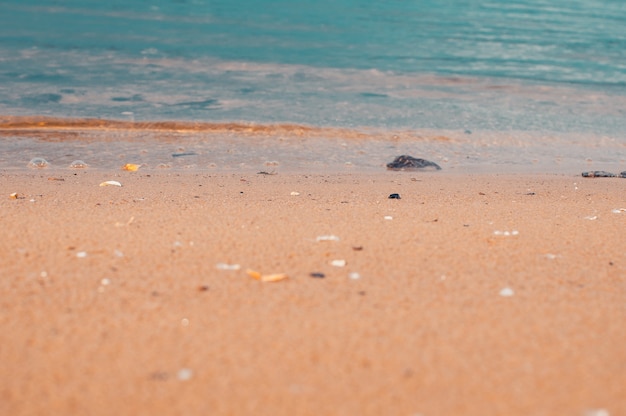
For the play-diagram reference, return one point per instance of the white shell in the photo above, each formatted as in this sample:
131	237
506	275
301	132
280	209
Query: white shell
110	183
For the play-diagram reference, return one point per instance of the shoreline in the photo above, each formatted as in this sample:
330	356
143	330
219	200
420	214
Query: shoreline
473	294
241	147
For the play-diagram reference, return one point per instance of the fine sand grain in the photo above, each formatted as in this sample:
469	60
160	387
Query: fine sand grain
469	295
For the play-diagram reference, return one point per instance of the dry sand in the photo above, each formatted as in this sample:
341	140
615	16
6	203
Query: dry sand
112	302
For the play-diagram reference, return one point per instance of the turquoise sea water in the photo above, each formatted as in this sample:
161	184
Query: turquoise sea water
527	68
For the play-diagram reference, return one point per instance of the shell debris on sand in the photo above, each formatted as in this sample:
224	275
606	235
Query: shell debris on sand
327	238
276	277
110	183
338	263
131	167
507	292
226	266
184	374
506	233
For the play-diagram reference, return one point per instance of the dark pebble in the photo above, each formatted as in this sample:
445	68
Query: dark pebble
183	154
318	275
598	174
394	196
622	174
406	162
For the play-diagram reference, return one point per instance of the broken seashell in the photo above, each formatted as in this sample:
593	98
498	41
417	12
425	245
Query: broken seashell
225	266
131	167
273	277
14	195
110	183
327	238
254	274
266	277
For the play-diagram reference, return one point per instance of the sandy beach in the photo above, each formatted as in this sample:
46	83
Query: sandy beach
469	295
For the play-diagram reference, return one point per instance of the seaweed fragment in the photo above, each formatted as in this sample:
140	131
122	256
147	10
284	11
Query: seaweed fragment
598	174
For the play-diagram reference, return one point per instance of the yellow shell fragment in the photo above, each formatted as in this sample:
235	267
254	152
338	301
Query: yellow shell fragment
131	167
273	277
13	195
253	274
110	183
266	277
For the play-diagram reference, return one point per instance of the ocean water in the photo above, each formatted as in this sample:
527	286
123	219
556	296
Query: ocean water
509	83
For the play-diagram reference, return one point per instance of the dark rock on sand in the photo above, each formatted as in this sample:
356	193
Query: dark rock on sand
394	196
622	174
598	174
406	162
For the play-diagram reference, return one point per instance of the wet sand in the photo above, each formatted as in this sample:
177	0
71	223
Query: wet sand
112	301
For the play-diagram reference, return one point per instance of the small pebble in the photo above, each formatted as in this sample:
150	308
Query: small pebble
338	263
394	196
354	276
317	275
81	254
294	193
105	282
388	217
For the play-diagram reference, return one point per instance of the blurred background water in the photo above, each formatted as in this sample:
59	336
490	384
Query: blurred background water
530	64
537	66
